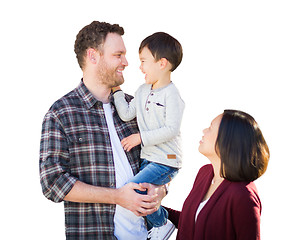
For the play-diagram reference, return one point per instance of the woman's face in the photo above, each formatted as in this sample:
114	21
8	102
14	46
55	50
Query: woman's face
207	143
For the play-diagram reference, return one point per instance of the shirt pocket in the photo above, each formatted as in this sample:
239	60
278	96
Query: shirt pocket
81	149
80	138
159	110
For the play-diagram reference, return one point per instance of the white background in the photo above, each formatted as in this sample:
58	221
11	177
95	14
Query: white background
237	54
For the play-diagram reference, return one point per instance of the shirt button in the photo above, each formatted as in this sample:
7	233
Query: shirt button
148	102
80	139
147	109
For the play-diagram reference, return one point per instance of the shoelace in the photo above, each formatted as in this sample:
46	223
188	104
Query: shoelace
153	231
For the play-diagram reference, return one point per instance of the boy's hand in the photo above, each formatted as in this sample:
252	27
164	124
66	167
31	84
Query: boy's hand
114	89
131	141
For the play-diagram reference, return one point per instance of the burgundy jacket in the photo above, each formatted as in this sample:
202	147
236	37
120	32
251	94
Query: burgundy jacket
232	212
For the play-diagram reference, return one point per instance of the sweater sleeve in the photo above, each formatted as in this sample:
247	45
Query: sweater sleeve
246	214
126	110
173	216
174	113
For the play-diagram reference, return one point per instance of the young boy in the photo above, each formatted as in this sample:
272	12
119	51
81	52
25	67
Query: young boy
159	109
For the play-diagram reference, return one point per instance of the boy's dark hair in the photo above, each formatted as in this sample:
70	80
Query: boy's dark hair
92	36
241	146
162	45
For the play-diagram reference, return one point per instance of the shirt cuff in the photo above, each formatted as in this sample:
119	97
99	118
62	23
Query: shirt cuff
62	187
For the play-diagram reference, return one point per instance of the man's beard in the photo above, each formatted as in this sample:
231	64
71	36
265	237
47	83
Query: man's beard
108	76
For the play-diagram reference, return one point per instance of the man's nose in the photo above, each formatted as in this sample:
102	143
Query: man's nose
124	61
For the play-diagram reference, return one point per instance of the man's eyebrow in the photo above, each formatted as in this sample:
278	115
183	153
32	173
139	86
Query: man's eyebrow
120	51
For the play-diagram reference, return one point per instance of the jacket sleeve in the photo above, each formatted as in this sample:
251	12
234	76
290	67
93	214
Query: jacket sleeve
246	214
56	181
126	110
174	113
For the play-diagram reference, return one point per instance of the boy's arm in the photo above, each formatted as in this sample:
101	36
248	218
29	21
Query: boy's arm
126	110
174	113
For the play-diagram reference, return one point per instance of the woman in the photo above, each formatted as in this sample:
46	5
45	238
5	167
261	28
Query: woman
224	203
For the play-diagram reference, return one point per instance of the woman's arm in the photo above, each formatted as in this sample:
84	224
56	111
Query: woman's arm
246	216
173	216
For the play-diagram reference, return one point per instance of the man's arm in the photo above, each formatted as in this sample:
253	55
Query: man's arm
58	185
140	205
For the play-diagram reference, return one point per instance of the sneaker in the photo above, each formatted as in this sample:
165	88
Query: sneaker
162	233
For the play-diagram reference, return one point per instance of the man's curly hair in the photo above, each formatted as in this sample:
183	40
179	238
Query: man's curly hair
92	36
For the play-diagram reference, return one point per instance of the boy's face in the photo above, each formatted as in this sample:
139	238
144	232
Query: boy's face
149	66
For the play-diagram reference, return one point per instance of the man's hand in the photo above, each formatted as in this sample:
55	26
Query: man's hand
157	190
131	141
140	205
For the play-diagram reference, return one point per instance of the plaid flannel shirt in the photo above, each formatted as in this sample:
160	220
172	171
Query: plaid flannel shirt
75	145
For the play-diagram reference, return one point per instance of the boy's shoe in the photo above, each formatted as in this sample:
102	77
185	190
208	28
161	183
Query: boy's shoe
162	233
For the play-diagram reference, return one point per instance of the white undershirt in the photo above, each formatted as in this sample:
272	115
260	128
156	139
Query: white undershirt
127	224
200	207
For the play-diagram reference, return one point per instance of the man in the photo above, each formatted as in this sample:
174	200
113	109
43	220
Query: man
82	161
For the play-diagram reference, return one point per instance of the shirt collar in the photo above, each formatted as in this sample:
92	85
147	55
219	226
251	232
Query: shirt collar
87	98
85	95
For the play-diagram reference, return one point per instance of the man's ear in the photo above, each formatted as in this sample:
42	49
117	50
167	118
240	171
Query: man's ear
92	55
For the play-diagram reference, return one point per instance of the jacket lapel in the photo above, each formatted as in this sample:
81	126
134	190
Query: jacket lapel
187	218
200	225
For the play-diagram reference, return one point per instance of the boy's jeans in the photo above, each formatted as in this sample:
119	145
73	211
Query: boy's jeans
157	174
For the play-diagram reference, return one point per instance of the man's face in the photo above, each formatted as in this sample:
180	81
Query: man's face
112	61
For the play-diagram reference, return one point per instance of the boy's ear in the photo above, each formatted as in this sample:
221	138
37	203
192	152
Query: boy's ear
163	63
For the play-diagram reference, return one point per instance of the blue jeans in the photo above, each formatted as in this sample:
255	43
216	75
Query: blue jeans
157	174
